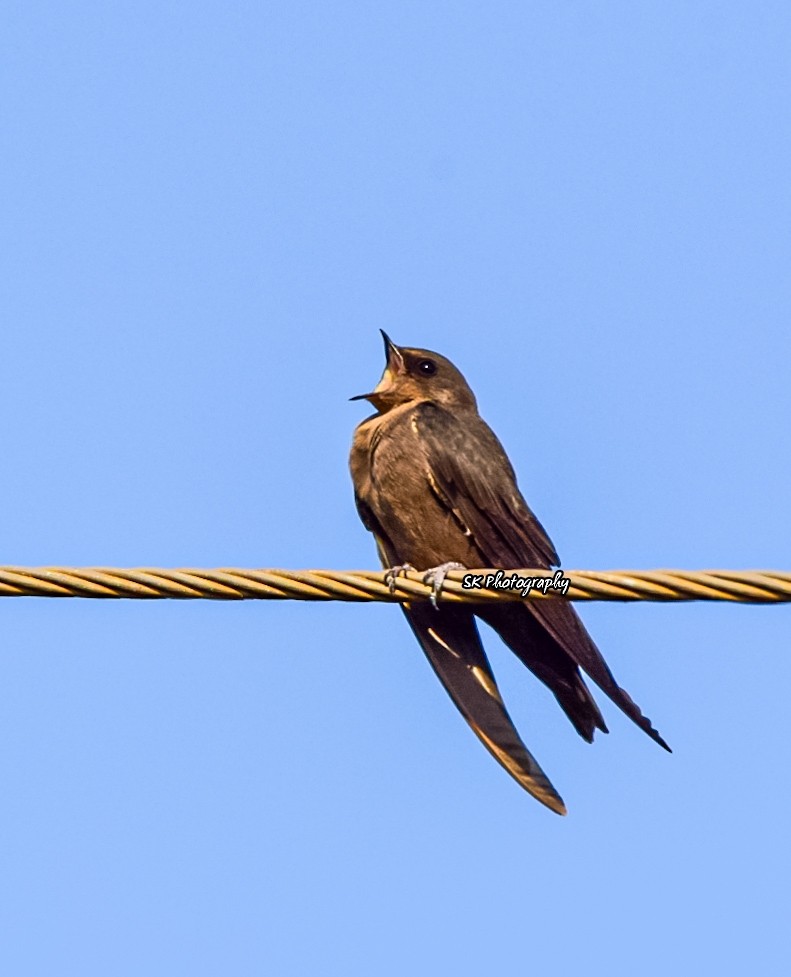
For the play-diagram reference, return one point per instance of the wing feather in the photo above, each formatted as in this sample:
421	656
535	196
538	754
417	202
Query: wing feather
470	472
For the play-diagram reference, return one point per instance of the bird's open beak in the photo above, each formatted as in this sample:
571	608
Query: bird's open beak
394	366
395	359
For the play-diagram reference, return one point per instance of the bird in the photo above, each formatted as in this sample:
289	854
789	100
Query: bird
435	487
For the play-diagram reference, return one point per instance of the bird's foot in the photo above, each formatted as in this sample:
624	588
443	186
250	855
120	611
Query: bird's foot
436	577
394	573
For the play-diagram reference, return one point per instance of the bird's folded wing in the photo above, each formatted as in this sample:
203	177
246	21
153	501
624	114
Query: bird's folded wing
472	477
450	639
561	621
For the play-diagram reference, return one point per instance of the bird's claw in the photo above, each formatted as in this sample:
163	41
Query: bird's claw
394	573
436	578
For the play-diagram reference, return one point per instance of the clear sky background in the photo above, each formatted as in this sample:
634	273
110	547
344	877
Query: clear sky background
209	209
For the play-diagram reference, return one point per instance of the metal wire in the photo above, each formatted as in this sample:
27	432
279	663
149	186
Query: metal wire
230	583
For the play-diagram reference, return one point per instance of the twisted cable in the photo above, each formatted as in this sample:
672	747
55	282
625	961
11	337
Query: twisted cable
230	583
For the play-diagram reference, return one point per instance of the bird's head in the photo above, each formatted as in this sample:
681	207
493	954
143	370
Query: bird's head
414	375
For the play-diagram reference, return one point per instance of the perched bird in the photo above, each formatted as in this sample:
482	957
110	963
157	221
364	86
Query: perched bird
434	486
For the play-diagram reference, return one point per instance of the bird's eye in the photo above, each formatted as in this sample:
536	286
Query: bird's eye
427	368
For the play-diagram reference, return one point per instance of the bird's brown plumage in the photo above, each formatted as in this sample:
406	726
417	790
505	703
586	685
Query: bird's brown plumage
433	484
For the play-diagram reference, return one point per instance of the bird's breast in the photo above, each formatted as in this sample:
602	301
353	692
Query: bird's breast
392	477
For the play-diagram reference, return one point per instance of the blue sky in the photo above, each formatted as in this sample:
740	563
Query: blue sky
209	209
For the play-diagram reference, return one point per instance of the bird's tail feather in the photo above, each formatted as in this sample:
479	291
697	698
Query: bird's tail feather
562	622
539	651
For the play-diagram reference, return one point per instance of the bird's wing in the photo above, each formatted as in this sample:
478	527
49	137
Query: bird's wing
471	476
450	639
562	622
